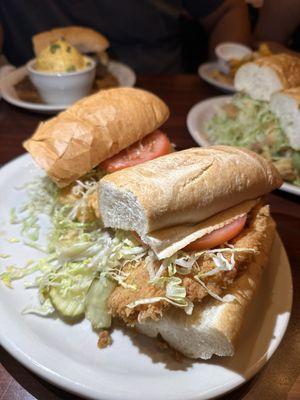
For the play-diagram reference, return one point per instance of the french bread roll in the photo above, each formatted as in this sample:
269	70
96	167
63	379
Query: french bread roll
185	187
85	40
214	327
286	106
94	129
267	75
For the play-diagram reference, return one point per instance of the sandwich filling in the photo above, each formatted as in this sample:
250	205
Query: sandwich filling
191	274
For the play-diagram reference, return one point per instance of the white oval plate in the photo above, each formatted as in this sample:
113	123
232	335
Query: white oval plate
204	72
133	367
125	75
202	112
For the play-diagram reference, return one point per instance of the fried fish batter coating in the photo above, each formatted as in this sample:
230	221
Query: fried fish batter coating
252	237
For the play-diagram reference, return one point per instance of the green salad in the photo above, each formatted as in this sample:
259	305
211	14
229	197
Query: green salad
250	123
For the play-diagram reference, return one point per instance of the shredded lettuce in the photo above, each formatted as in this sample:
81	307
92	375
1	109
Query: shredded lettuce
120	277
174	290
78	251
157	299
4	255
41	199
175	294
182	263
150	264
44	310
220	262
225	299
251	123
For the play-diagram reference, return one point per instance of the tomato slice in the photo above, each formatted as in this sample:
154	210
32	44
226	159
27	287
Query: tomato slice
154	145
219	236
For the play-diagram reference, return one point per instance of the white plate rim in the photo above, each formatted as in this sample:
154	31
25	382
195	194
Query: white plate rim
80	389
19	73
13	78
203	73
201	139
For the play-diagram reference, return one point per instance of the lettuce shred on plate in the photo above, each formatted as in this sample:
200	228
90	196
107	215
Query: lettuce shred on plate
83	262
250	123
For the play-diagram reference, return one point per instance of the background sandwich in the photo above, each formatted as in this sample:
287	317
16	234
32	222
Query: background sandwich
286	106
207	237
261	78
264	115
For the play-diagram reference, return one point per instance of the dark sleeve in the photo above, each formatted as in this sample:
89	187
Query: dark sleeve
201	8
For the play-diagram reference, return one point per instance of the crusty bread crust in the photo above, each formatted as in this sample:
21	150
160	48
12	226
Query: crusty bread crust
268	75
94	129
86	40
183	187
287	68
214	327
294	93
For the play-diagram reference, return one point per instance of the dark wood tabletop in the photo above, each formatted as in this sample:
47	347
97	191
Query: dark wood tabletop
278	379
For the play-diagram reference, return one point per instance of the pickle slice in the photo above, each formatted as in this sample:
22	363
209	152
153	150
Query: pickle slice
96	310
69	305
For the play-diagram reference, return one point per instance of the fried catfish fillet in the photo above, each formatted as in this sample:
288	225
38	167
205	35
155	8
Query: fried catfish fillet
259	224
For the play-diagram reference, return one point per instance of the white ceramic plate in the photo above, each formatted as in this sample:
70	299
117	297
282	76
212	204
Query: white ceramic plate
202	112
125	75
133	367
205	70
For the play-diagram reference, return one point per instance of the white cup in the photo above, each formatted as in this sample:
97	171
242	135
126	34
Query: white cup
229	51
62	88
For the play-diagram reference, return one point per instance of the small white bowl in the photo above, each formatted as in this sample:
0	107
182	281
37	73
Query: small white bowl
62	88
228	51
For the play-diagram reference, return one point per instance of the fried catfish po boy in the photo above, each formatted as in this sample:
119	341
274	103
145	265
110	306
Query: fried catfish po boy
201	215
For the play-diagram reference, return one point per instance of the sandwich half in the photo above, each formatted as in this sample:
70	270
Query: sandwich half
105	132
201	218
267	75
93	130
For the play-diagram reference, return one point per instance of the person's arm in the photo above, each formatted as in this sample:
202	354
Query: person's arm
277	21
229	22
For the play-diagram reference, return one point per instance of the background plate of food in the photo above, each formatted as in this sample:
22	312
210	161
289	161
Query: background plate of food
65	353
70	63
231	56
262	116
210	73
19	90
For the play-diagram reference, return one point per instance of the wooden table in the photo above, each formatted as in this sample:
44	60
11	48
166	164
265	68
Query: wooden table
277	379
